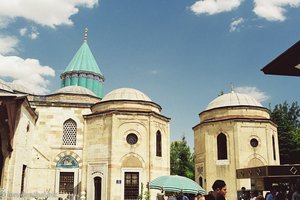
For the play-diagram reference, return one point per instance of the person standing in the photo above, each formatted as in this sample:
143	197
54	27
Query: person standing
272	194
184	197
296	194
252	195
219	191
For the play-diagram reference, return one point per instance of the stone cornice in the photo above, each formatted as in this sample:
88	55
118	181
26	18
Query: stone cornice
128	112
82	74
131	101
261	120
61	104
234	107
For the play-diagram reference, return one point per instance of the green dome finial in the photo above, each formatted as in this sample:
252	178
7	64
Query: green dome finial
85	34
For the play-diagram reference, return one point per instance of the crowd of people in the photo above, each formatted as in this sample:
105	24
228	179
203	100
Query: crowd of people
279	194
219	193
275	193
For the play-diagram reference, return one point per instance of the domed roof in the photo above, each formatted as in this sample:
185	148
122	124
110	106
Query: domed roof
4	86
75	90
233	99
20	88
126	94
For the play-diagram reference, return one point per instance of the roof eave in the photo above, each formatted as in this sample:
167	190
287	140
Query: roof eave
287	63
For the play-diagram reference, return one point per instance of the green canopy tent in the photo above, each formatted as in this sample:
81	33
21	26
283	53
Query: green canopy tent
176	184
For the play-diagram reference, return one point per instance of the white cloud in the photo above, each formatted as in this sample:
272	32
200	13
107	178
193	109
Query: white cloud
32	35
4	21
273	10
254	92
235	24
8	44
212	7
23	31
44	12
27	72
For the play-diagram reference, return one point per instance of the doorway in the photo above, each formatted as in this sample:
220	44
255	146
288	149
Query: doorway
97	188
131	185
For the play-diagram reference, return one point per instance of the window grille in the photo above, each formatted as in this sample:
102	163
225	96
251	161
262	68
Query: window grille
69	132
132	138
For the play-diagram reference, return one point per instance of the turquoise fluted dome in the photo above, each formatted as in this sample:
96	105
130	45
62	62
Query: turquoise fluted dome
84	71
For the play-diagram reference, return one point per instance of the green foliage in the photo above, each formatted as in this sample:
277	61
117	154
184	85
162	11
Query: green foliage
144	194
182	161
287	118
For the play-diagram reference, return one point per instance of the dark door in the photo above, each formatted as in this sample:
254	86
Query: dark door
131	190
66	183
97	184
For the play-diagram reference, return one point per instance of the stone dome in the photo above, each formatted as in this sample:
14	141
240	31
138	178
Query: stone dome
5	86
126	94
233	99
20	88
75	90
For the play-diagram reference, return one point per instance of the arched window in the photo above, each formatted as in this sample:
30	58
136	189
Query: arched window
274	150
69	132
200	181
97	188
222	146
158	143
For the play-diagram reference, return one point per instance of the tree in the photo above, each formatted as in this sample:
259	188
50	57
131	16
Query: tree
182	161
287	118
143	193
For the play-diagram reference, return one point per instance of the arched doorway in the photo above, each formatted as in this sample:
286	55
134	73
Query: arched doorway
132	172
67	175
97	188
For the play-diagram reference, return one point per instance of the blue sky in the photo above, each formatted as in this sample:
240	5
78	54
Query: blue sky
181	53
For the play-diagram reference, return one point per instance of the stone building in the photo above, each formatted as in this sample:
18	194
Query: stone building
73	143
235	131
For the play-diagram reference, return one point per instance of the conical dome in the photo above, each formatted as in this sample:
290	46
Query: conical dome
83	61
83	71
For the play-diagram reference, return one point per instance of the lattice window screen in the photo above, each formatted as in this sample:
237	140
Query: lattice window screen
70	132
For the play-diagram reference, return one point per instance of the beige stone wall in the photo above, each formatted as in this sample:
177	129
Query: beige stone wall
48	148
101	148
106	143
21	155
240	153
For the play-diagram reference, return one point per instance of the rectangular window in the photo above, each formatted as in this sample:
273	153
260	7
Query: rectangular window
66	183
131	184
